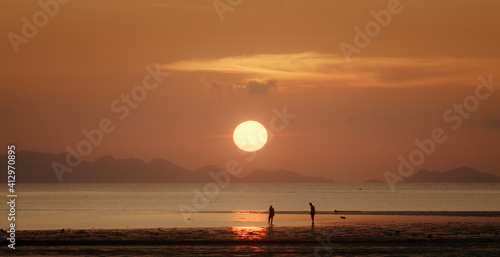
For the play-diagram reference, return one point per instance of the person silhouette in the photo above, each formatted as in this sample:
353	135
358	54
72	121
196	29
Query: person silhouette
313	212
271	215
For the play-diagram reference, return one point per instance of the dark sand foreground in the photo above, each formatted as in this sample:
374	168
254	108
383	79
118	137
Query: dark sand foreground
435	238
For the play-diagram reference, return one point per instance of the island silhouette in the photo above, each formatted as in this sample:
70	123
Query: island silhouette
36	167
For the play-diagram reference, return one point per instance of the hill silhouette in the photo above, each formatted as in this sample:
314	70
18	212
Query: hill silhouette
458	175
36	167
280	176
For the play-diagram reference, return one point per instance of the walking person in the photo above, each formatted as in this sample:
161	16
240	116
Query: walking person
271	215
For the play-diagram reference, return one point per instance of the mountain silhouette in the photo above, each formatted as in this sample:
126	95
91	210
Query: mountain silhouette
280	176
36	167
458	175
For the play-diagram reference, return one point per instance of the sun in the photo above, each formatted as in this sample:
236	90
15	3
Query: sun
250	136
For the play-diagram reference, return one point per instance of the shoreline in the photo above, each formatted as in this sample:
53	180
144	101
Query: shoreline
257	234
407	213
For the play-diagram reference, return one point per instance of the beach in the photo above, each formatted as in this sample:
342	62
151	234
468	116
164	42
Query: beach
145	219
469	234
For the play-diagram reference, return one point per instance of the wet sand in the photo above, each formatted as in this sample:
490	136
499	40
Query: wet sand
355	235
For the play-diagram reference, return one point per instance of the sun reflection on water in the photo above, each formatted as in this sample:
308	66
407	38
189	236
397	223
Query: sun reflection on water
249	233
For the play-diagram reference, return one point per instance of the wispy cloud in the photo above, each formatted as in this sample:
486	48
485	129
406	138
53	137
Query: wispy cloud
351	120
252	87
282	66
260	88
491	122
6	111
309	68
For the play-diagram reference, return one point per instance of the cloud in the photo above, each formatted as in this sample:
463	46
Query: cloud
280	66
6	111
491	122
260	88
252	87
218	89
418	71
309	68
351	120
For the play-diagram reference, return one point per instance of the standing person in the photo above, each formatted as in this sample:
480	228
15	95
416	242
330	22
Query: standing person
313	211
271	215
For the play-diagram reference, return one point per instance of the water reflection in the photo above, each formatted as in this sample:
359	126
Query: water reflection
249	216
249	233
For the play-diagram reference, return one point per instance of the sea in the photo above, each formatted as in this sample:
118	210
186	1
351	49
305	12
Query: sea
133	205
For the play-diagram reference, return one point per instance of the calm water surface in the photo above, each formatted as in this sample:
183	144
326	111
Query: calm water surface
138	205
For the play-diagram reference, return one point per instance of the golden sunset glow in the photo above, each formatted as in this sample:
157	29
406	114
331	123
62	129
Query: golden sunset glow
357	109
250	127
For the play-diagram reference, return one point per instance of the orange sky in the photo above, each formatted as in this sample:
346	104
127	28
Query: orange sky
353	119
